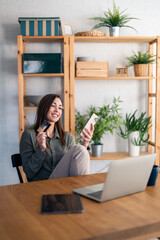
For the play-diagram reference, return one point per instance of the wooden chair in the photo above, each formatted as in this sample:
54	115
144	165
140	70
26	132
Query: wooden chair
17	162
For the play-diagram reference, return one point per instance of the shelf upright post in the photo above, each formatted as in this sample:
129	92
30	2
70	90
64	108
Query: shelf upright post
150	97
66	83
157	122
20	51
72	87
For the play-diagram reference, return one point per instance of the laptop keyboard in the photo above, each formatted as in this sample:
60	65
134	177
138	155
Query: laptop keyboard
95	194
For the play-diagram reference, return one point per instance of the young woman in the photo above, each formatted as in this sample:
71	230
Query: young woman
53	154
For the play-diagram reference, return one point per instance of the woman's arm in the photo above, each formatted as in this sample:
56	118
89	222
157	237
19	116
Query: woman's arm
32	159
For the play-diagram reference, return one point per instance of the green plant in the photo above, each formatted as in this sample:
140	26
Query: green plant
140	58
132	124
113	19
110	119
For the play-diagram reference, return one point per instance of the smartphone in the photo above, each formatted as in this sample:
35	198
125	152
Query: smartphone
93	119
44	126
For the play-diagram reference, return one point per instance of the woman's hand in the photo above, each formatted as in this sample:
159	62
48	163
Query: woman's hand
41	140
87	135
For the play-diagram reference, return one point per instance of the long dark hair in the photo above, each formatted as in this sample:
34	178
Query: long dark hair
43	108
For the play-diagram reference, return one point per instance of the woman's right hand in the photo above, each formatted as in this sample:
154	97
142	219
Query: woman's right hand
41	140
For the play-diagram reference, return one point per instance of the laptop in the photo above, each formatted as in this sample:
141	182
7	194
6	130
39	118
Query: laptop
125	177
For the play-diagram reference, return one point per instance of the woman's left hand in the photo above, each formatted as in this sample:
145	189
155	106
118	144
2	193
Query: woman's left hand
87	135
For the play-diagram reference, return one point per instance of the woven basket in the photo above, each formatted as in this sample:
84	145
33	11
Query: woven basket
91	34
141	70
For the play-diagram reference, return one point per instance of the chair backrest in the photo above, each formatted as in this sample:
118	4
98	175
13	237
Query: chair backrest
17	162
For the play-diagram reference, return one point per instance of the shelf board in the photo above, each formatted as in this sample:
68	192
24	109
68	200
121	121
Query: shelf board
115	78
114	155
43	74
39	39
140	39
30	108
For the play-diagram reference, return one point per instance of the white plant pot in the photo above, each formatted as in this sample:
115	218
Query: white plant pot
114	31
133	149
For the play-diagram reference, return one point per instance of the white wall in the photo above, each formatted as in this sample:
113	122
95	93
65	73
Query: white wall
133	93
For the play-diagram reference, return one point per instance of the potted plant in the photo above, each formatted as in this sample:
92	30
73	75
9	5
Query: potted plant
113	20
110	119
140	62
136	131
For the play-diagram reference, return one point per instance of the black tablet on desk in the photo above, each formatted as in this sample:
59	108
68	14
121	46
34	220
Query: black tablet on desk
61	203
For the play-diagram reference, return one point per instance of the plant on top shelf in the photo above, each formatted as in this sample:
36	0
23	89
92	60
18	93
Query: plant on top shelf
140	62
114	19
110	118
136	129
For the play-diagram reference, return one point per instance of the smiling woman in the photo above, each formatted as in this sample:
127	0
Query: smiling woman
55	111
52	153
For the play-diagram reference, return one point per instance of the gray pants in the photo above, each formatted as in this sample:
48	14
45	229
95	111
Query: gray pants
75	162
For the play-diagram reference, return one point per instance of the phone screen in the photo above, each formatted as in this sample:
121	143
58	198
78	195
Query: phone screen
93	119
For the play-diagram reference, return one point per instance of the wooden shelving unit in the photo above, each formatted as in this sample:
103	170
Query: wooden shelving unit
22	78
151	41
69	80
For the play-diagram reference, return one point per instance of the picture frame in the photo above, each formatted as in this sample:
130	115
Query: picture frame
67	29
122	72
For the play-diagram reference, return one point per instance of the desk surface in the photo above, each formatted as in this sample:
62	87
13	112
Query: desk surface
132	217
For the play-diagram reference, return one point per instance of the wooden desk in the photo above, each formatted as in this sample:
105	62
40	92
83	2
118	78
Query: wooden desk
132	217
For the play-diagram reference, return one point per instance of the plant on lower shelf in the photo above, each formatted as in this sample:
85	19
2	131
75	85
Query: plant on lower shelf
140	58
133	124
110	119
140	62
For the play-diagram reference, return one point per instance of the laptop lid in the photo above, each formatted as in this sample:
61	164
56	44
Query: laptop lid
125	176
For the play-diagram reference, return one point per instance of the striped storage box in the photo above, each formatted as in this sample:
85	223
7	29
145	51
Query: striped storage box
42	26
